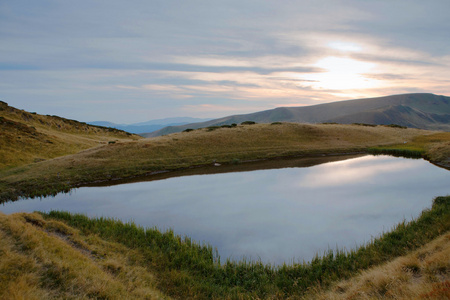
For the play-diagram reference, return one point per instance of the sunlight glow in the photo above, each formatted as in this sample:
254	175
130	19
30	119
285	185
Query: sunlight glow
352	171
345	47
342	74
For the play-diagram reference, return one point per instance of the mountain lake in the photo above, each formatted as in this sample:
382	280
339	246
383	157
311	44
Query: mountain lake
280	211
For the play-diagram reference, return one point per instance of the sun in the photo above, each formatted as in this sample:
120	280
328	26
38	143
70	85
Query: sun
344	46
342	73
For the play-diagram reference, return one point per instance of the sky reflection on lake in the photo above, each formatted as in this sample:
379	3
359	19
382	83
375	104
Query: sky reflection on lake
277	215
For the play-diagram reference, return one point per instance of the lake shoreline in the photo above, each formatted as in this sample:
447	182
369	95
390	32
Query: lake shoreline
218	168
292	191
201	148
58	187
168	173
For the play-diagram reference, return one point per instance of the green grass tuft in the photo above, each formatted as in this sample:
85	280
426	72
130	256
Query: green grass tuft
398	152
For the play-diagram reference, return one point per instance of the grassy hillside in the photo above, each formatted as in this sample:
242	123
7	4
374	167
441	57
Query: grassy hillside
422	274
425	111
46	259
205	146
59	255
28	137
405	115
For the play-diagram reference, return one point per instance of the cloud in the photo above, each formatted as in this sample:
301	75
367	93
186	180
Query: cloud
212	108
162	54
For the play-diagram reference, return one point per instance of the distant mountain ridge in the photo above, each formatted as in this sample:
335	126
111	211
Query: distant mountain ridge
420	110
149	126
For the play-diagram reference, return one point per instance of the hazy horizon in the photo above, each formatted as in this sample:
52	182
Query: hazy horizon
133	62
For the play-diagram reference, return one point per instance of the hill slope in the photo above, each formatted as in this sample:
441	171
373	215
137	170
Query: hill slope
29	137
424	111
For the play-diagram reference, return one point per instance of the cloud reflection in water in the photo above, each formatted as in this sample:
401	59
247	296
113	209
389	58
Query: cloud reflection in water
276	215
354	171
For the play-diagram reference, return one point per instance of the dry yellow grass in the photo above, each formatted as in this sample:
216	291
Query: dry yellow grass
243	142
48	260
28	138
437	147
423	274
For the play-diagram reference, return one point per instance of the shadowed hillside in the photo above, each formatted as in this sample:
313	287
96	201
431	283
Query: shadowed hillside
29	137
424	111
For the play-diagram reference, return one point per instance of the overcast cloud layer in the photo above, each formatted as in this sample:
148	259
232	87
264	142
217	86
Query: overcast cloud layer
132	61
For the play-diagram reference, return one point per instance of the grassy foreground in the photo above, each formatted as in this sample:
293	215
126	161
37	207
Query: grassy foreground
60	255
126	159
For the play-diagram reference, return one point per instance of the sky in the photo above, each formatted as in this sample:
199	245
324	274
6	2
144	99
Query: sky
139	60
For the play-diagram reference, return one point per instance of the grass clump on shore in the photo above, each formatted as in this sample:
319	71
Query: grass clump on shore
185	269
397	152
434	147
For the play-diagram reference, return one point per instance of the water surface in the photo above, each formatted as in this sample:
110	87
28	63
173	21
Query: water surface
276	215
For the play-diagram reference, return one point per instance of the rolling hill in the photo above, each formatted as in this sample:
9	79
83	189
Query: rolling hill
27	137
424	111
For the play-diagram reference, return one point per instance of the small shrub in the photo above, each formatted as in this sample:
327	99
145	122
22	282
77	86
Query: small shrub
248	123
364	124
111	142
276	123
235	161
413	268
188	130
396	126
211	128
233	125
226	126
